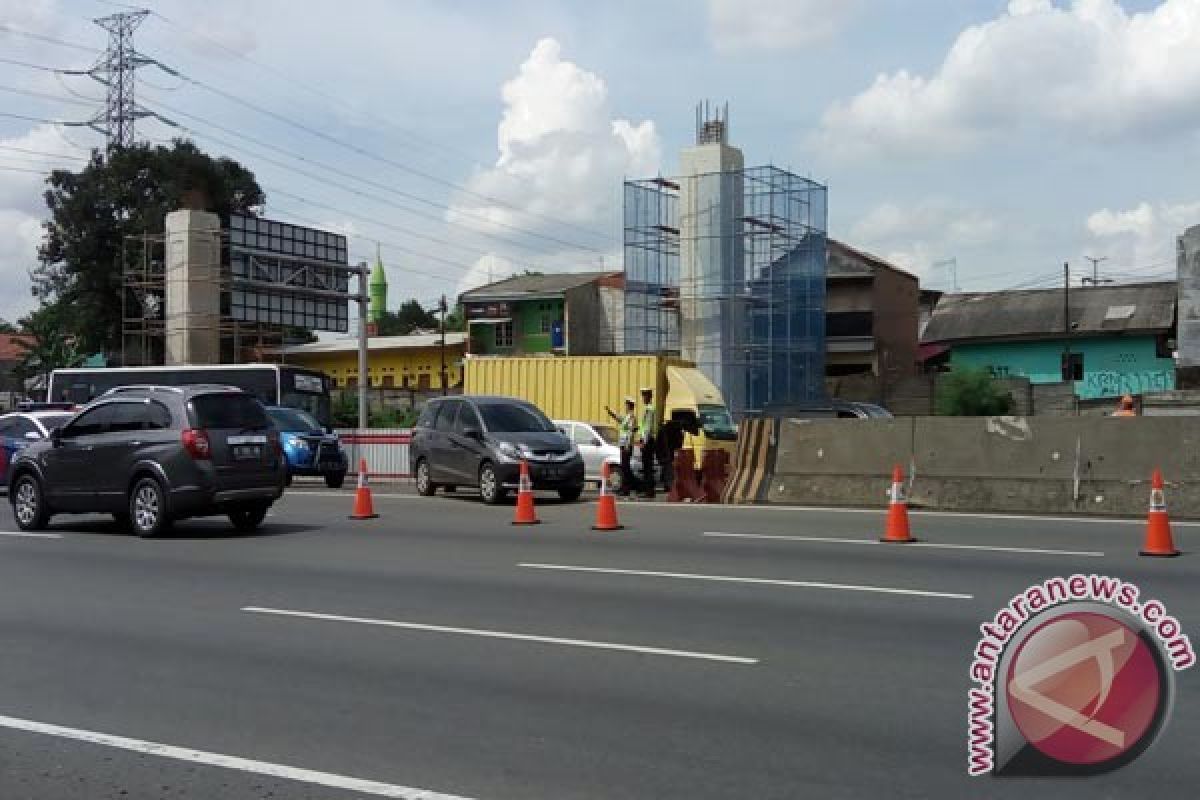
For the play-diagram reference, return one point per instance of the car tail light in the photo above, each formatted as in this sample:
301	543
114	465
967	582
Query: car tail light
195	441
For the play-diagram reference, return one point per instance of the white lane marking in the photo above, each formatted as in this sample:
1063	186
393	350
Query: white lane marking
520	637
329	779
849	587
30	535
937	545
350	495
913	512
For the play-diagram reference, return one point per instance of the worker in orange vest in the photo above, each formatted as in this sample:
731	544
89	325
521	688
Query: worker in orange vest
1125	407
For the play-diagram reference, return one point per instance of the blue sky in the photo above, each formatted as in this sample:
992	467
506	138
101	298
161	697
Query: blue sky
1009	136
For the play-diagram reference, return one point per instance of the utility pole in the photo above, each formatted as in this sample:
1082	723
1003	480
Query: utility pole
115	70
1067	370
364	303
1095	281
442	308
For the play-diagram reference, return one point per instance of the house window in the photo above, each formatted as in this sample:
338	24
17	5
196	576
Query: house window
547	323
504	334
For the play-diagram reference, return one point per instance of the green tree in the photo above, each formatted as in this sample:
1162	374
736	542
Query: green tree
456	320
409	317
969	392
127	192
52	346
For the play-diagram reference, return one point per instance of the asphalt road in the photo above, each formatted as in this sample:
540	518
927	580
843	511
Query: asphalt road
440	648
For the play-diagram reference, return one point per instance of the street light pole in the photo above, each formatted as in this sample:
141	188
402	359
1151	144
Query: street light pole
363	301
442	308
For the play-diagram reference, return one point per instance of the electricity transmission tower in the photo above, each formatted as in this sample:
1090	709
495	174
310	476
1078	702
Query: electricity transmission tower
115	70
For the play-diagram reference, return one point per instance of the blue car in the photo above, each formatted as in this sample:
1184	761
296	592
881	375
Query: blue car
19	430
309	449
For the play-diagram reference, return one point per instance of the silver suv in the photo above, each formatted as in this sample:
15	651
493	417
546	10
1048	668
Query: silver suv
149	455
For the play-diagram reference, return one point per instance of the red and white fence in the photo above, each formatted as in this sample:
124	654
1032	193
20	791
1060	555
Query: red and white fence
385	449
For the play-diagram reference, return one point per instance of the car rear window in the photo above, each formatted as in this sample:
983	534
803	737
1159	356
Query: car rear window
228	410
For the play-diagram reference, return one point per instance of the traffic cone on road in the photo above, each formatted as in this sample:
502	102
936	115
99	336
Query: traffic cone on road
1158	527
897	519
525	514
363	507
606	506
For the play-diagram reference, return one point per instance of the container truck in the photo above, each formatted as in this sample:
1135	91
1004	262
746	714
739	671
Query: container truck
581	387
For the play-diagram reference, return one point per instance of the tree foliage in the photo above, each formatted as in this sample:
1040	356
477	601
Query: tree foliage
52	347
128	192
408	318
967	392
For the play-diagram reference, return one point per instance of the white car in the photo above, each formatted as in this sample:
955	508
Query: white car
597	444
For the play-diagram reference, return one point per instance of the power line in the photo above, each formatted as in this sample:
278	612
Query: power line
42	95
27	151
44	120
326	182
48	39
384	160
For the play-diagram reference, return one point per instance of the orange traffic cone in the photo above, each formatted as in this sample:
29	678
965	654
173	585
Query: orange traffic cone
1158	527
897	519
363	507
525	514
606	507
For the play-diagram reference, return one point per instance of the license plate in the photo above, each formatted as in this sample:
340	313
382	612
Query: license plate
246	452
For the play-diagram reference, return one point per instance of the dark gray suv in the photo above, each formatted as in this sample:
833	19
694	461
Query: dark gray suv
481	441
152	454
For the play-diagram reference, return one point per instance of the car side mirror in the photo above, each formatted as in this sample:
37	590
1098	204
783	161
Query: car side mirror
597	442
471	432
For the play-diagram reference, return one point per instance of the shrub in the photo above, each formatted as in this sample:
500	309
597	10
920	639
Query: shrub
969	392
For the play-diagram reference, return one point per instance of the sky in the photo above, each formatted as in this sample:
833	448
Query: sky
977	143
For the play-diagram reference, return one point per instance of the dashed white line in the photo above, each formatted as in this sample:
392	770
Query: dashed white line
520	637
848	587
31	535
936	545
299	774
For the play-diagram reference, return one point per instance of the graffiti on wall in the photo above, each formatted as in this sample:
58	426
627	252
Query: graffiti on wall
1114	384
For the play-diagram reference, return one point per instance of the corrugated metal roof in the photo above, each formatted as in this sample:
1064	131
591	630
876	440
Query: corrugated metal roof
1038	313
533	285
374	343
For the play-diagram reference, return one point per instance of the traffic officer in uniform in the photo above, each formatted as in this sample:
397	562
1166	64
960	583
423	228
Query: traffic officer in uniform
626	433
647	440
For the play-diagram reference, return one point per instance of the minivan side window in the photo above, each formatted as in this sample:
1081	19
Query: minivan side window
446	416
467	418
91	422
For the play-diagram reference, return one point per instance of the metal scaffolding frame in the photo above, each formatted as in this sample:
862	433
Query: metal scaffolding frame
728	270
143	306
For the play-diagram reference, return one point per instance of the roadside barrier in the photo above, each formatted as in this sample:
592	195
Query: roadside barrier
364	508
897	531
685	487
606	506
714	472
1158	527
386	448
753	462
525	514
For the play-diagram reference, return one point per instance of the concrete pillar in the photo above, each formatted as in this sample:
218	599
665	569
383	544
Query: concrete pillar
712	265
193	278
1188	310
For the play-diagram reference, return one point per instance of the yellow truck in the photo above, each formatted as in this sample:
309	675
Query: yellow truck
580	387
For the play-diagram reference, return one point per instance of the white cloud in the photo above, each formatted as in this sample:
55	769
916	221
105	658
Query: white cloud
1090	69
562	156
917	236
776	24
1142	236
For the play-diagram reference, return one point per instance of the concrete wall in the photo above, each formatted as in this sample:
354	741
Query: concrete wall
1004	464
895	303
585	318
1188	268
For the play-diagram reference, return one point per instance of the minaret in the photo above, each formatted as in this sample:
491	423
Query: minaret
378	289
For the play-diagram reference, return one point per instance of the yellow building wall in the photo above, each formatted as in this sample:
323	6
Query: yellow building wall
396	364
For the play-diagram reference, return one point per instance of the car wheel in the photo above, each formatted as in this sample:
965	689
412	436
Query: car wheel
335	480
425	486
29	506
148	508
570	494
489	485
246	519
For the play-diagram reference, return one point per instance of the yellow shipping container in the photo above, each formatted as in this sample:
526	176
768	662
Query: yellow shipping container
581	387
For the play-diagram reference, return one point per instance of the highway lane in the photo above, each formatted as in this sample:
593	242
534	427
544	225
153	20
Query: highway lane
852	692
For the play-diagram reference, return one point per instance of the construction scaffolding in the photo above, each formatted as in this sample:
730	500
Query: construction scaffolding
727	269
143	309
